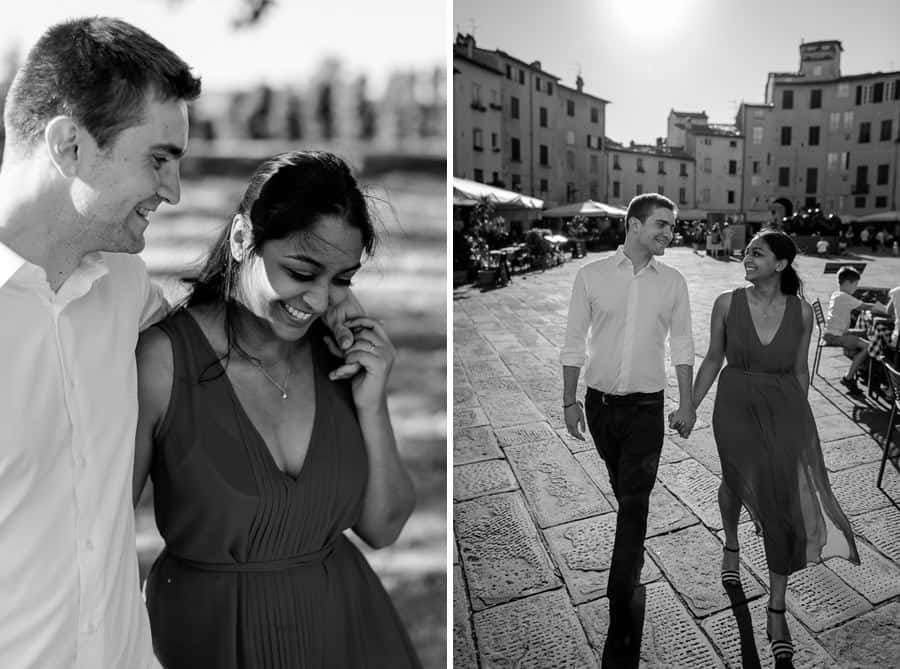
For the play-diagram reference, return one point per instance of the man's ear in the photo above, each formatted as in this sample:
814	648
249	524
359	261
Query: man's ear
240	237
61	139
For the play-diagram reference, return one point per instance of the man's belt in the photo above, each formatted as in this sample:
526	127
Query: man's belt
630	399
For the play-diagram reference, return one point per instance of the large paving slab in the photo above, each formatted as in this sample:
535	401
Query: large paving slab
837	426
463	639
593	465
876	578
501	553
850	452
464	397
553	413
671	637
545	389
872	640
537	632
510	409
463	418
882	529
556	486
576	445
666	513
690	559
701	446
486	369
815	595
532	433
856	492
474	444
696	487
582	551
482	478
493	385
739	634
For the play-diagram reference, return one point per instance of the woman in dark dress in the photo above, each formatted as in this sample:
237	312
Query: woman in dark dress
765	432
261	453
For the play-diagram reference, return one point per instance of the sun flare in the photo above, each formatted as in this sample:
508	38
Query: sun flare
650	19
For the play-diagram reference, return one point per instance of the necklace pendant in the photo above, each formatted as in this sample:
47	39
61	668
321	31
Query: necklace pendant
283	395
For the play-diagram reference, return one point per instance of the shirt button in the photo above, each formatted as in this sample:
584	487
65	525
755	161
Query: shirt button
81	461
89	545
92	628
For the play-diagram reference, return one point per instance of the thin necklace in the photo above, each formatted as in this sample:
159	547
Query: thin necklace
282	388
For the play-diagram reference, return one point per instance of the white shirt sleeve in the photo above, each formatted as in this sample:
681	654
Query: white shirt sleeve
155	306
577	325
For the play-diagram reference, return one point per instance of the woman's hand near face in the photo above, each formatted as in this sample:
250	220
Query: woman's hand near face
336	319
373	351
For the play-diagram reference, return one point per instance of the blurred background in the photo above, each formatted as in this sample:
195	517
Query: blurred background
366	81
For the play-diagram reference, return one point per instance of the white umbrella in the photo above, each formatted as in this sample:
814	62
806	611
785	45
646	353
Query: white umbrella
588	208
464	190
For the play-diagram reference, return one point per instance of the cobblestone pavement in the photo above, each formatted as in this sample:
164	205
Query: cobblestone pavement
534	516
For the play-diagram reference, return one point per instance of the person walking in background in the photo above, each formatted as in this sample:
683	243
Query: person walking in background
261	457
765	433
837	324
621	310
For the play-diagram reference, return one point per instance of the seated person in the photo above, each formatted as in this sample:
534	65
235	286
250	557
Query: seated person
837	324
893	311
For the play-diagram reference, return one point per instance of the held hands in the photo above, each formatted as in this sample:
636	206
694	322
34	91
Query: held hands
683	419
574	415
373	354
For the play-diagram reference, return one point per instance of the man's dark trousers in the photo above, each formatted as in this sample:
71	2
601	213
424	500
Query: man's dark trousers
628	433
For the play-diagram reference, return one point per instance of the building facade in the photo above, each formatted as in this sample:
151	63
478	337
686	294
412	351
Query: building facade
637	169
718	153
827	140
550	134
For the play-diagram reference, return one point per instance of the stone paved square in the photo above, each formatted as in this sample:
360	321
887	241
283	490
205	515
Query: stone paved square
537	556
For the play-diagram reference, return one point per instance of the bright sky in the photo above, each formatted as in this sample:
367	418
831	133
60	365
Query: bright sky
290	41
649	56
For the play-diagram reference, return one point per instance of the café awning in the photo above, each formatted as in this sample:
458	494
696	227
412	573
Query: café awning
881	217
468	193
692	214
588	209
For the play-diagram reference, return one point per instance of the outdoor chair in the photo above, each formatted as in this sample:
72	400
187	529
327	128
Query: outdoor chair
894	377
820	343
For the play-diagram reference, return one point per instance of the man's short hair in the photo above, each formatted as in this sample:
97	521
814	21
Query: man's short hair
97	70
643	205
846	274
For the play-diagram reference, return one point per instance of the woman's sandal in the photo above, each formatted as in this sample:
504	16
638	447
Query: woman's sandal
782	649
731	577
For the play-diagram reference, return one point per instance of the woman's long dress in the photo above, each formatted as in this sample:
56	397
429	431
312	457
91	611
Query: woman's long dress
769	445
257	573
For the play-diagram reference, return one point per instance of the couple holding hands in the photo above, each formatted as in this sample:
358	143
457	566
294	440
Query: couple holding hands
621	311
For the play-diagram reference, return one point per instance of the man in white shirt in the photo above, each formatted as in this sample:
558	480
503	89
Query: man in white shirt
837	324
96	122
621	311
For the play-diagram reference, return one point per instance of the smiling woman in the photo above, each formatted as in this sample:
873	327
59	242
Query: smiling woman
262	460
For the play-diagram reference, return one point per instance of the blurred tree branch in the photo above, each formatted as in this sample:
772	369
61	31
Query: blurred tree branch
249	11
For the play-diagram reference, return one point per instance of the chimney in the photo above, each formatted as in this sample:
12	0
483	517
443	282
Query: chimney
470	46
579	83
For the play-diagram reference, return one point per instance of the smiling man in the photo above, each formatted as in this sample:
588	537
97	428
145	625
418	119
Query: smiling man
96	121
621	311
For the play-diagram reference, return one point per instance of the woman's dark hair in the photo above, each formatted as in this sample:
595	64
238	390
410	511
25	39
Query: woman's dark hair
784	248
98	71
288	193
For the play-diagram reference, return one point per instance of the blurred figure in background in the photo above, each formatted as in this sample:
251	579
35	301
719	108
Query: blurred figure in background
262	453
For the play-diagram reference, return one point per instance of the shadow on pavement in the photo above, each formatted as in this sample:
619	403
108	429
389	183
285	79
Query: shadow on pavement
623	640
749	653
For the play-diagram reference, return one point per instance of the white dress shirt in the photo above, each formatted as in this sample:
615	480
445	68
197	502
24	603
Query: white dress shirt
69	590
619	320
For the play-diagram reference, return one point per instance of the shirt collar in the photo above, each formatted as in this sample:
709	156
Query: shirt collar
621	258
91	268
10	263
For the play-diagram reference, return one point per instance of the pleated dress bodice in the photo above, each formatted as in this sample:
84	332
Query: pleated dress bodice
257	571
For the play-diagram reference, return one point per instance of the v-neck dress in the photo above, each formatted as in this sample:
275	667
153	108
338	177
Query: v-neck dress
769	444
256	572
